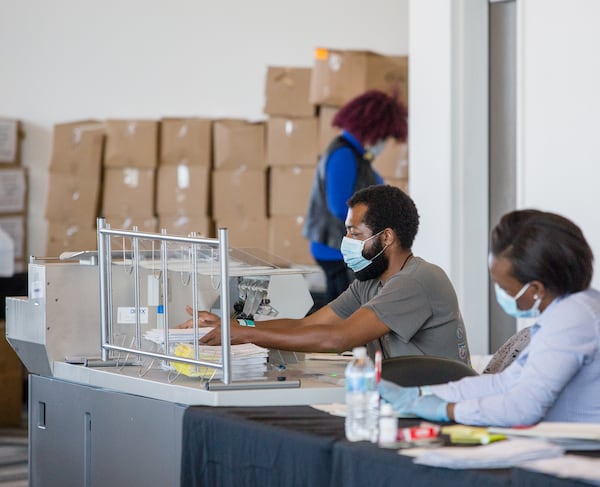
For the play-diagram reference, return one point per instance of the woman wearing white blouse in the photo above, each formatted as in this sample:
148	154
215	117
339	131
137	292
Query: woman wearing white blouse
542	267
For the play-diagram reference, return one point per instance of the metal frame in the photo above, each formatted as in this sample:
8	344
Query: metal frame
105	284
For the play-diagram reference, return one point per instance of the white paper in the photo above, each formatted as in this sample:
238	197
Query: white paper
500	454
568	466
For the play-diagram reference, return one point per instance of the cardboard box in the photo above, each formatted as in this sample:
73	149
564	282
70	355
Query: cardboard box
72	199
185	225
251	232
398	182
183	190
16	227
186	141
128	192
393	161
289	190
13	190
327	132
131	143
77	149
10	141
239	194
239	143
65	237
340	75
11	383
287	91
292	141
286	240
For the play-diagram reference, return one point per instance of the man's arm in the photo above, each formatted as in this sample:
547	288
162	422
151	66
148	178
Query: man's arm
322	331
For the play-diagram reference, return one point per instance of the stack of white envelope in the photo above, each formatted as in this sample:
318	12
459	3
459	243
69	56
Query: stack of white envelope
248	361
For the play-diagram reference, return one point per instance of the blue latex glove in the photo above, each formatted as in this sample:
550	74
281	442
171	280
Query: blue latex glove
399	397
429	407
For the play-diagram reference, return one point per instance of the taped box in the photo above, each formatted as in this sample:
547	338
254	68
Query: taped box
287	92
13	189
11	134
340	75
186	141
292	141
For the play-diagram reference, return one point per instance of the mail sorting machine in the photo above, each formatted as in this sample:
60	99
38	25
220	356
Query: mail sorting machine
113	399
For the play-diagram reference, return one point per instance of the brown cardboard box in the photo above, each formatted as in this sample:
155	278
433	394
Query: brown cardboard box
340	75
77	149
398	182
239	194
289	190
11	383
239	143
131	143
16	227
292	141
286	240
72	199
65	237
186	141
286	92
327	132
251	232
13	189
183	190
393	161
128	192
185	224
11	134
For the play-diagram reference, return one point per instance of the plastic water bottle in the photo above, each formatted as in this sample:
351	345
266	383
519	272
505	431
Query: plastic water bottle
362	398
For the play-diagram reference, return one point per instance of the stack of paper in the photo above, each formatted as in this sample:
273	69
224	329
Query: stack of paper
571	436
248	361
502	454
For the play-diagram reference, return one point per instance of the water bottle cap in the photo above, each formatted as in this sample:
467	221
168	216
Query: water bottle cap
359	352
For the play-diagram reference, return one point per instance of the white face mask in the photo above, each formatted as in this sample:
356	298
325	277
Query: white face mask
376	148
352	251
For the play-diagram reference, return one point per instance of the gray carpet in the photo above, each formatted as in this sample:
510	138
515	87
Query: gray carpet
13	458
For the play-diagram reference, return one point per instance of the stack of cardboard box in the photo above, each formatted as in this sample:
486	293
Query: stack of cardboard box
239	179
13	190
74	186
130	163
292	154
184	176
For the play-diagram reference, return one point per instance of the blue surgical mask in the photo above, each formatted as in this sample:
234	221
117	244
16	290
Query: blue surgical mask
352	251
509	303
376	148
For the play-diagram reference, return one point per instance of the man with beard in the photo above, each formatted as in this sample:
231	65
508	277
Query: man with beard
398	303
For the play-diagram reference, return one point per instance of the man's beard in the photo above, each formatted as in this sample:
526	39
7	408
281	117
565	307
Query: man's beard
378	265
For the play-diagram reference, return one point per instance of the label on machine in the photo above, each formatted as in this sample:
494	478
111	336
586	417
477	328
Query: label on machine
126	315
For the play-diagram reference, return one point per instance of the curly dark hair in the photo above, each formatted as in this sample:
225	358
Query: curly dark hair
545	247
389	207
373	116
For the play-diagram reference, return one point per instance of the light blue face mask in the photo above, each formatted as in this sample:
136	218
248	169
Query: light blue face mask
376	148
352	251
509	303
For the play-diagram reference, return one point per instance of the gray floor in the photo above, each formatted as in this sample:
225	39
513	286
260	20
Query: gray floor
13	455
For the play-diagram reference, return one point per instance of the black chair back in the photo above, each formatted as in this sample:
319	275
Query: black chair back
423	370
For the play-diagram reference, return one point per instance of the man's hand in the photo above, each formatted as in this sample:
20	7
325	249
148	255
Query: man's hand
213	337
204	319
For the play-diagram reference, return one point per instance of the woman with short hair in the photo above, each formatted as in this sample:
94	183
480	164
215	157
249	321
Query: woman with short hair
542	268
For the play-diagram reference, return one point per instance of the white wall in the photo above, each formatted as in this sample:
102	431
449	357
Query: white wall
448	148
559	101
67	59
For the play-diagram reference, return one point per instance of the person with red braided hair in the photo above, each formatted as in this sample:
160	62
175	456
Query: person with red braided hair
367	121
